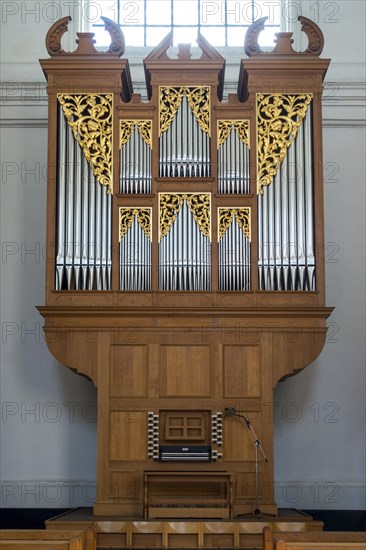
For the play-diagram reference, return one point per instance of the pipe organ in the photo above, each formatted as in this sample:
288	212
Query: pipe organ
185	268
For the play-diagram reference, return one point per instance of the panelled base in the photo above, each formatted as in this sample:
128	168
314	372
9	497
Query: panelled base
165	533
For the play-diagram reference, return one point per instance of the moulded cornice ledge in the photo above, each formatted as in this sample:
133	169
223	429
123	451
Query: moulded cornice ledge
115	311
23	123
23	93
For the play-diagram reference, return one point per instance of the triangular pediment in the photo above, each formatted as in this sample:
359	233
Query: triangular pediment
159	59
159	53
208	51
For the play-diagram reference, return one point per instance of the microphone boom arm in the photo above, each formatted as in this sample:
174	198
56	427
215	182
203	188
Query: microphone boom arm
256	440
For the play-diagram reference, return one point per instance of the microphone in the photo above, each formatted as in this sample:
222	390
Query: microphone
229	411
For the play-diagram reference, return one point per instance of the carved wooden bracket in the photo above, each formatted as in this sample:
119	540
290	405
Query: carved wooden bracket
284	39
85	40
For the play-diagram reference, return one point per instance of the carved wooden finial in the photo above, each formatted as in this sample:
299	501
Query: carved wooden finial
284	43
85	42
184	51
54	36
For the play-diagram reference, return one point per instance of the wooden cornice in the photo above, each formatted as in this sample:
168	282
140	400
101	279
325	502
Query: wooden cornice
190	312
279	70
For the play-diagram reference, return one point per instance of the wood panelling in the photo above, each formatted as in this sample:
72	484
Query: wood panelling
245	485
185	371
129	371
128	435
238	440
242	374
123	485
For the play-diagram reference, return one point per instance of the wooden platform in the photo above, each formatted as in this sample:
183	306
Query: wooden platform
239	533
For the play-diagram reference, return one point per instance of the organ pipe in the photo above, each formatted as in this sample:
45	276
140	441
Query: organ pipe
286	219
285	209
84	218
135	165
234	260
184	148
184	255
135	259
233	165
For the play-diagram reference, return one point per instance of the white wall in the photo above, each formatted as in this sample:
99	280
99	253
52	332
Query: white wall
48	428
320	413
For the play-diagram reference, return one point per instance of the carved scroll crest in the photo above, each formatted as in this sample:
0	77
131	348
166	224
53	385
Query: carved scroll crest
90	118
127	216
251	45
284	39
199	205
85	40
55	34
314	34
279	117
117	46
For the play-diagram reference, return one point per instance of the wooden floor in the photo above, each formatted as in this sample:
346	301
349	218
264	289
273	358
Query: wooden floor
240	533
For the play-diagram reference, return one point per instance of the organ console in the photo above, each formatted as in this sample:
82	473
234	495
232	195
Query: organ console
185	268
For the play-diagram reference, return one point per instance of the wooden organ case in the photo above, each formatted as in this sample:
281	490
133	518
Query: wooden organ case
185	268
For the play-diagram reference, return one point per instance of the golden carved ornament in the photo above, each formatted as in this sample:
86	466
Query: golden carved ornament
198	98
199	205
242	216
224	129
90	118
127	216
169	103
144	127
199	102
169	206
278	119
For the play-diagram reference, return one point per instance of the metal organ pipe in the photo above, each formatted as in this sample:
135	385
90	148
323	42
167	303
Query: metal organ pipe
83	211
135	259
184	149
286	220
135	162
234	260
233	165
184	256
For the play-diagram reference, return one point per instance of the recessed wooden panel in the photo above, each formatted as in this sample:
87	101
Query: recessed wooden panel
147	540
128	435
123	485
111	540
242	373
182	541
238	439
245	485
218	541
129	371
185	371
